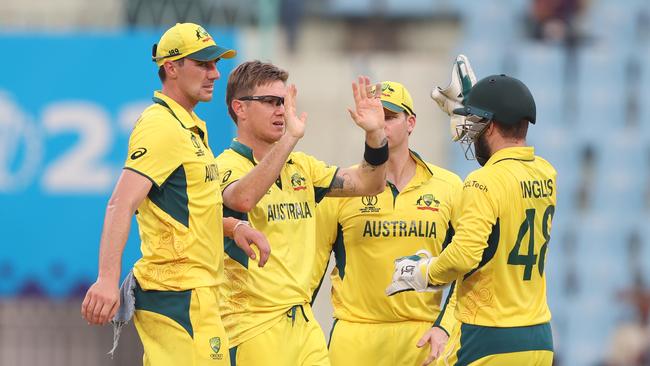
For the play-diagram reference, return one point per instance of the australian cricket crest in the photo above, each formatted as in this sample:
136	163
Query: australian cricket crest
215	344
427	202
298	182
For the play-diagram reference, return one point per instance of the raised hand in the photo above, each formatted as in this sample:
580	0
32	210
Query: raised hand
368	111
295	126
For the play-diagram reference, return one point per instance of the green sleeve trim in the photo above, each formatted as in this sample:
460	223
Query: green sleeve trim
329	341
490	250
171	197
441	327
313	296
142	174
449	236
339	251
438	322
321	192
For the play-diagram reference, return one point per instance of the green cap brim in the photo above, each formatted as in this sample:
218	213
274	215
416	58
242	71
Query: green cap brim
466	111
392	107
212	53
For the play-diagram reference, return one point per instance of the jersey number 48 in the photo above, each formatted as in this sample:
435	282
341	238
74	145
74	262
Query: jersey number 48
529	259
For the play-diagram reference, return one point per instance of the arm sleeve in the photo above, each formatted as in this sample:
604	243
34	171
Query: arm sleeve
154	149
231	168
326	225
321	174
475	221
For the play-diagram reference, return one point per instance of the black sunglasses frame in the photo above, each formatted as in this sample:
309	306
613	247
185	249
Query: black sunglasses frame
271	99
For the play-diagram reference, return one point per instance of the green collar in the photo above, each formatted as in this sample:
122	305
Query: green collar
243	150
187	120
420	161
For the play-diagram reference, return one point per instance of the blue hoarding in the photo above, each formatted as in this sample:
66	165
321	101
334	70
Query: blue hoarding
67	105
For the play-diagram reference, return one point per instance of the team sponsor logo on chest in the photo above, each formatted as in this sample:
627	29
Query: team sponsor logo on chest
298	182
399	228
427	202
369	204
288	211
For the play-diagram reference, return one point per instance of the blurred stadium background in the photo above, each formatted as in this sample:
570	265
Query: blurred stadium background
81	73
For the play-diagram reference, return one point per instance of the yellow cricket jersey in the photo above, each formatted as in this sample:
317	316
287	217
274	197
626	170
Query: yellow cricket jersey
368	233
180	220
252	297
501	240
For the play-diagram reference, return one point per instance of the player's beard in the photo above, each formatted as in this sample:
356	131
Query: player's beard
482	150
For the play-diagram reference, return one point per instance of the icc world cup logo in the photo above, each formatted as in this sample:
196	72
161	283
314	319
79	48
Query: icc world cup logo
369	204
369	200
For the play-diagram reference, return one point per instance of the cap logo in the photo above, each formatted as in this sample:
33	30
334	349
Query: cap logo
387	86
384	87
202	34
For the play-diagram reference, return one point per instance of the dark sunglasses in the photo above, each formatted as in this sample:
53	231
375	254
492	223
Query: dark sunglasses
270	99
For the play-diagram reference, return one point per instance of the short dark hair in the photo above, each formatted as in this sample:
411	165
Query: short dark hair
248	76
518	130
162	74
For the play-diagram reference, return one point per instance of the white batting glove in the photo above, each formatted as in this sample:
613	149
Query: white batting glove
411	274
451	97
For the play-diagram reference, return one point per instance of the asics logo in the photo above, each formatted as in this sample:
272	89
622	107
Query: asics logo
138	153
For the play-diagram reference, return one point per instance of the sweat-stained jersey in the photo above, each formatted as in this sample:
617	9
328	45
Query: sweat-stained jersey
252	297
180	220
368	233
501	241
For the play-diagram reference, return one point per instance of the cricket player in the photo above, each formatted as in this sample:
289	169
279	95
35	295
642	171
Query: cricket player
266	311
171	178
502	237
414	212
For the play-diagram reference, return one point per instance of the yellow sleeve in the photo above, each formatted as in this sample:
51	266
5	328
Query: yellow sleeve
477	216
231	168
154	149
446	320
321	174
326	230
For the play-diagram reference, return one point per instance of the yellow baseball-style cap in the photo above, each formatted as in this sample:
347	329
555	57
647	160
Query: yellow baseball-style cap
396	98
188	40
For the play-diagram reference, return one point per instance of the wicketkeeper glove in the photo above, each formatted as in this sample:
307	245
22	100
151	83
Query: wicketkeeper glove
451	97
411	274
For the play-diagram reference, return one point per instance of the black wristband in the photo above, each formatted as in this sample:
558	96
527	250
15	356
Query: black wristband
376	156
